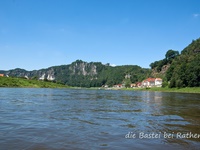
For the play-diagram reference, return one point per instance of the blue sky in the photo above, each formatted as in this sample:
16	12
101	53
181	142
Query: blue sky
37	34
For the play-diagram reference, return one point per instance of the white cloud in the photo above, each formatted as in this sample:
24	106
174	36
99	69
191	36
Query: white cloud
113	65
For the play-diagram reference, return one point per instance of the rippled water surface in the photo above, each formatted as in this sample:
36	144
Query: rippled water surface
59	119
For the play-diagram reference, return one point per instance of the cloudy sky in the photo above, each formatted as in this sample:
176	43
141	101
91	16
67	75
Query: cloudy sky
37	34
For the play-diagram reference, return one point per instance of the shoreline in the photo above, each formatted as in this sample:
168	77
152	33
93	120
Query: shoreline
194	90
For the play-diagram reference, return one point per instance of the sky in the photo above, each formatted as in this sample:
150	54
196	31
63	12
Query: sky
36	34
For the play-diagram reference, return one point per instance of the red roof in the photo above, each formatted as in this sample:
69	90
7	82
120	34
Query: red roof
150	80
158	79
138	83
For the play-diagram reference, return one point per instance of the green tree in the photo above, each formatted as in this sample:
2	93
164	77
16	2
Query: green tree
171	54
154	64
127	83
172	83
185	68
164	84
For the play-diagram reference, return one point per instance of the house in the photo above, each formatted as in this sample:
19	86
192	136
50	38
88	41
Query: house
149	82
1	75
158	82
119	86
152	82
105	86
132	85
138	84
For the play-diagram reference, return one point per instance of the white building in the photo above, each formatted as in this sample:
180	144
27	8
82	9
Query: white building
152	82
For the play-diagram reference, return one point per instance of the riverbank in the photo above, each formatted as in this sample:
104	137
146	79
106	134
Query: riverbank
154	89
160	89
20	82
25	83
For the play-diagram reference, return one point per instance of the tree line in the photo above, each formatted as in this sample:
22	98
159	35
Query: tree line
184	70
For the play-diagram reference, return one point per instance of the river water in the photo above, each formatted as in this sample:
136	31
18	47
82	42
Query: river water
59	119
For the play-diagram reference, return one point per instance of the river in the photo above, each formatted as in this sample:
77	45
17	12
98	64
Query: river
59	119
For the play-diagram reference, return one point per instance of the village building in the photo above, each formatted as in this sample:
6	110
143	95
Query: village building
1	75
105	86
158	82
138	84
132	85
119	86
152	82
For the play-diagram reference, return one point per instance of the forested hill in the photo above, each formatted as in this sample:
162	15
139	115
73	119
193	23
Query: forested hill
176	70
84	74
183	70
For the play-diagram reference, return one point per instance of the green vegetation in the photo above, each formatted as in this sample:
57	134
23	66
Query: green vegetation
184	69
160	89
169	56
176	70
20	82
97	74
83	74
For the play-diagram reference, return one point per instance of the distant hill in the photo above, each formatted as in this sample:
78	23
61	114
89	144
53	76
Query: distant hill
84	74
22	82
176	70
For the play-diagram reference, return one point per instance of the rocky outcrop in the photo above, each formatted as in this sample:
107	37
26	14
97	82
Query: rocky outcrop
76	68
42	74
163	71
48	74
82	74
83	68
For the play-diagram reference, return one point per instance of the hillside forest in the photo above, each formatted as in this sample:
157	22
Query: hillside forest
176	69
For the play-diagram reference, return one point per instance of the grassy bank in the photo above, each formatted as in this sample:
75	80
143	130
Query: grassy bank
160	89
155	89
20	82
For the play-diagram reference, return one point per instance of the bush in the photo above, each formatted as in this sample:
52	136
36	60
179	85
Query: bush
172	83
164	84
179	84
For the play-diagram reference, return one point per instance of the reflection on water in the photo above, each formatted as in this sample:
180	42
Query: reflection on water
98	119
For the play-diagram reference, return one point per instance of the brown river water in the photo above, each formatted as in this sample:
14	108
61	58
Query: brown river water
62	119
